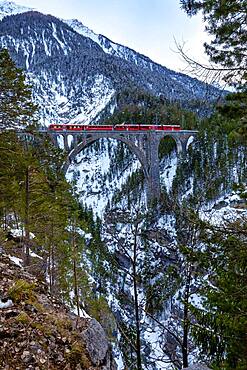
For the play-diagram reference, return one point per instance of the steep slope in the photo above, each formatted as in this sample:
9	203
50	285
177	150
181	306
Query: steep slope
10	8
142	61
60	63
38	331
77	77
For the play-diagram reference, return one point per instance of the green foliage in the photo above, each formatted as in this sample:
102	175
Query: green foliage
77	355
128	336
139	107
46	208
16	107
234	111
100	310
167	145
166	281
210	165
22	290
23	318
133	187
226	23
222	325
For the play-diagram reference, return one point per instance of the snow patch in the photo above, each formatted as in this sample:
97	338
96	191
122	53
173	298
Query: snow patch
10	8
16	260
6	304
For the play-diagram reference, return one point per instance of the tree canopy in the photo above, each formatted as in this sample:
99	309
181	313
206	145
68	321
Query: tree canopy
16	107
226	22
222	323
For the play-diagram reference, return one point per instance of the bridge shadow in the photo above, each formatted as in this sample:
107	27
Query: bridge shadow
167	145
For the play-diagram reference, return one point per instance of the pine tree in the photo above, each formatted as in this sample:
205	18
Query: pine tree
226	22
16	107
221	323
10	154
126	265
235	109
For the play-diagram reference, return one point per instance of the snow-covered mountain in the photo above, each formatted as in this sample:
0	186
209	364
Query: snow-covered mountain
77	74
134	57
113	48
10	8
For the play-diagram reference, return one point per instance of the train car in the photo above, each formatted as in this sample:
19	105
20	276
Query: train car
74	127
176	128
128	127
100	127
120	127
55	127
68	127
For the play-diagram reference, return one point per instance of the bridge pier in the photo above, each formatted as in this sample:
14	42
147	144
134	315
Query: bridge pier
152	172
182	141
66	143
75	141
54	140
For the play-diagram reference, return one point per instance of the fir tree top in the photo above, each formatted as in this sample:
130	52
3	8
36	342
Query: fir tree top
17	110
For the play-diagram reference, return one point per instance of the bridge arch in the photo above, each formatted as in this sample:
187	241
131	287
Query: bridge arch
181	140
79	146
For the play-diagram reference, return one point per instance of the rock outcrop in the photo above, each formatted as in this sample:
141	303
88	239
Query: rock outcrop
38	332
197	367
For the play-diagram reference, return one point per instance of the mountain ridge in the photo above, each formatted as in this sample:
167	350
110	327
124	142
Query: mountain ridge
10	8
78	76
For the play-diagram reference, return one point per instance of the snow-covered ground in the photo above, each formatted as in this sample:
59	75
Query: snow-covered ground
226	208
168	172
93	182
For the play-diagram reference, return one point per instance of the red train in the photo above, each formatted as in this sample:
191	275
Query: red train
75	127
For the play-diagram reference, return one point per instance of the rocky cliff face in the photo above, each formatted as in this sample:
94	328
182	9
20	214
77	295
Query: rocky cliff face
39	332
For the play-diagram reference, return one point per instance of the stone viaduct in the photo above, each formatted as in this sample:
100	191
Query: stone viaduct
144	144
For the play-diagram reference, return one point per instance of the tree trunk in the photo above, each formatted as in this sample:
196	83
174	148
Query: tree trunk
185	336
186	319
26	221
75	271
136	304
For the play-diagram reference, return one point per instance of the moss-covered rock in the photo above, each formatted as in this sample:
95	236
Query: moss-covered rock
22	290
38	331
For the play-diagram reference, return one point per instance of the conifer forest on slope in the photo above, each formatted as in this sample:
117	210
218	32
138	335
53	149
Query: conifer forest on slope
168	284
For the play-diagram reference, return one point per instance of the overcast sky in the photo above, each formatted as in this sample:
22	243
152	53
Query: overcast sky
147	26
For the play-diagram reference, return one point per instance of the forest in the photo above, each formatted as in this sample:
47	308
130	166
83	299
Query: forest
167	272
